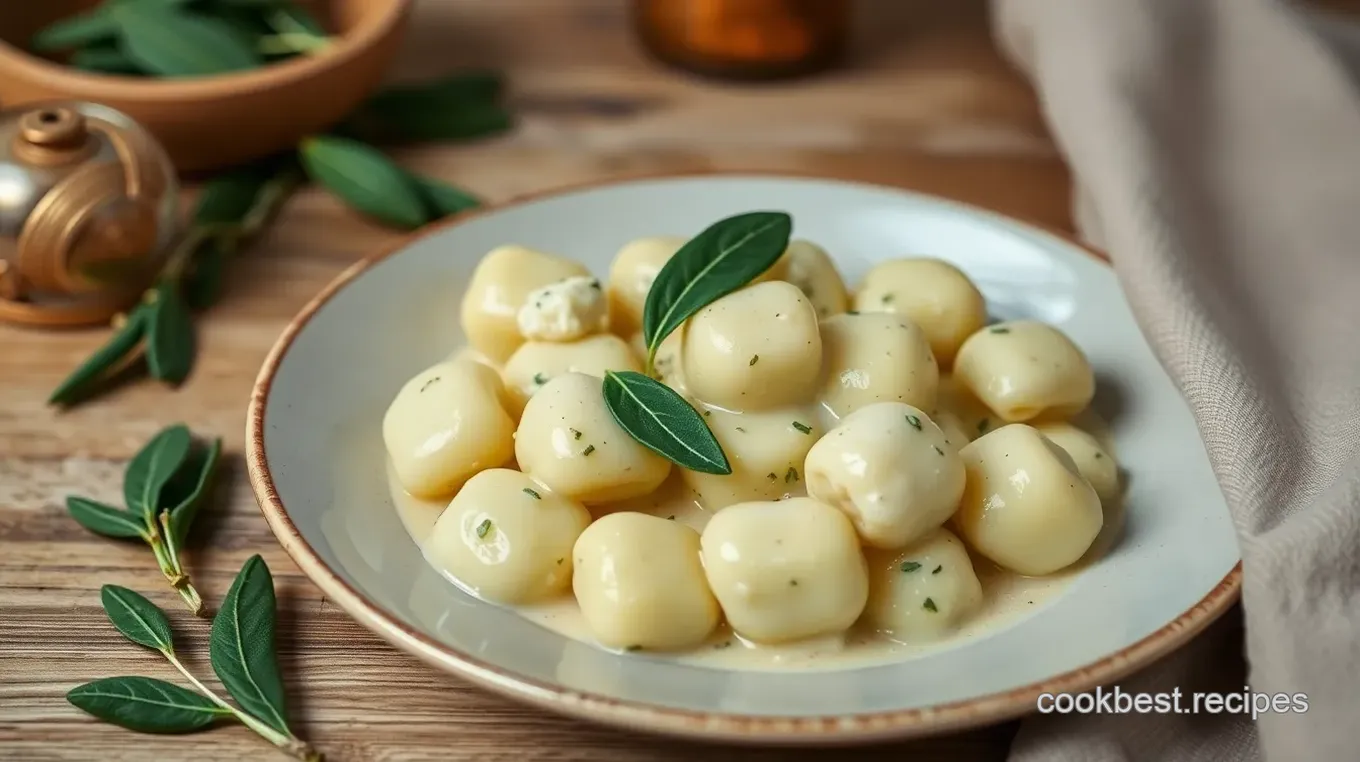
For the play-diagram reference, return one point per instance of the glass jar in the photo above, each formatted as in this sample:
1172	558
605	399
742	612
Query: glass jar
745	39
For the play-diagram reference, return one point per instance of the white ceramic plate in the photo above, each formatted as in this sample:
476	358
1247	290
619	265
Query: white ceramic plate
316	462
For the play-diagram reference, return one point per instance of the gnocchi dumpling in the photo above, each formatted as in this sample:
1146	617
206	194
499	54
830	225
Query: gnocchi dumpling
766	451
507	538
808	267
891	470
1092	460
502	281
640	584
563	311
876	357
924	591
446	424
755	349
568	440
785	570
1025	505
538	362
1023	369
932	293
631	276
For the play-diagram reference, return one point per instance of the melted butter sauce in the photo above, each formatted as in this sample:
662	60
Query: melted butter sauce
1007	597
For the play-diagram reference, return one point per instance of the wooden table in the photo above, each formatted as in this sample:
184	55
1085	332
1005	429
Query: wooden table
927	103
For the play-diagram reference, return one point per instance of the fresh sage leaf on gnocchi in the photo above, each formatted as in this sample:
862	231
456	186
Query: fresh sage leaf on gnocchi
661	420
727	255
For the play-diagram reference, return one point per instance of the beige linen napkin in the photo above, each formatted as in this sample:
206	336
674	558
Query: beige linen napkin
1216	150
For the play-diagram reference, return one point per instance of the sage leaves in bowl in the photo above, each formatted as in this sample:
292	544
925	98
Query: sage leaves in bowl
182	38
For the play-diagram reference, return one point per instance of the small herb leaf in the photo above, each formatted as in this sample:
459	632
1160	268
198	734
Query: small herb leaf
150	469
910	566
170	43
104	59
661	420
137	618
441	199
104	519
182	513
365	179
146	705
242	645
76	31
105	359
170	343
461	107
726	256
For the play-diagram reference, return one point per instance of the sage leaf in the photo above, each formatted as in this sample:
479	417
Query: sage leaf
439	123
226	200
137	618
441	199
460	107
461	90
152	466
204	282
146	705
727	255
170	341
185	510
105	519
663	422
365	179
174	44
242	646
105	359
229	197
288	18
76	31
104	59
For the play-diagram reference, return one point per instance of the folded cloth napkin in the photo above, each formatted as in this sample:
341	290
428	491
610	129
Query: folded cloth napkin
1216	150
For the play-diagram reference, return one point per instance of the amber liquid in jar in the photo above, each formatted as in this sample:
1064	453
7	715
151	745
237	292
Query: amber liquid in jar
745	39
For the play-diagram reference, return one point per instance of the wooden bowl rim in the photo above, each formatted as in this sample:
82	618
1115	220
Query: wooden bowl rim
635	715
15	62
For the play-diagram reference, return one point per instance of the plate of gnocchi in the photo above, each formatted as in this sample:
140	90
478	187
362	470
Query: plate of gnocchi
758	458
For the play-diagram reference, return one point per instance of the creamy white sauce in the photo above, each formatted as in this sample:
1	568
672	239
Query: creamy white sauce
1007	598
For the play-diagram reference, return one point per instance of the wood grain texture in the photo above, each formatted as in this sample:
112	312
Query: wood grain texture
926	103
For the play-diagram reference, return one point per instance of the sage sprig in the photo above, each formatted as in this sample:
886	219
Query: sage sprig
724	257
662	421
163	487
242	634
231	211
368	182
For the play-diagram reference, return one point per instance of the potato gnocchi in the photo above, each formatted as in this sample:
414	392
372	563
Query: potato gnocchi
892	461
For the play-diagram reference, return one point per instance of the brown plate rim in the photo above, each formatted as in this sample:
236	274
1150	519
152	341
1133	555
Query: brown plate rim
856	728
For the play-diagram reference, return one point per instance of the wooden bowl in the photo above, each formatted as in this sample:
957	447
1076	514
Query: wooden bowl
214	122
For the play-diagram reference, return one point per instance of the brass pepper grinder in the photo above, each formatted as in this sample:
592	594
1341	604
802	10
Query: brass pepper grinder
745	39
88	211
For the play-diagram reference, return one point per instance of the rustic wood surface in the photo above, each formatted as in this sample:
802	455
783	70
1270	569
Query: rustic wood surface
926	103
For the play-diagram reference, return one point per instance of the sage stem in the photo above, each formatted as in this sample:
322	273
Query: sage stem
294	747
